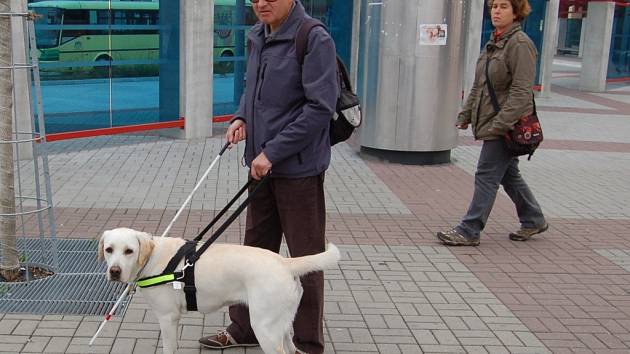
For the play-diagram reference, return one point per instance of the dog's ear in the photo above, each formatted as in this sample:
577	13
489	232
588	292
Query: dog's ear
146	247
101	245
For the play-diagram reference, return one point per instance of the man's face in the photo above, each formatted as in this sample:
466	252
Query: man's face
273	12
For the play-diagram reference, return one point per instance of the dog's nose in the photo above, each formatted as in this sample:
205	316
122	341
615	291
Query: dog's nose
114	272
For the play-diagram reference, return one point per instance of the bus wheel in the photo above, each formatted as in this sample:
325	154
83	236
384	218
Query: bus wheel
103	64
225	67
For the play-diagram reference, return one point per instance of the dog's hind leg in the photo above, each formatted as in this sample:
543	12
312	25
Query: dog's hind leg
289	346
271	334
270	342
168	326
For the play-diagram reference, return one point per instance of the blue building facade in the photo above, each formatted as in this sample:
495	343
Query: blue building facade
619	63
112	63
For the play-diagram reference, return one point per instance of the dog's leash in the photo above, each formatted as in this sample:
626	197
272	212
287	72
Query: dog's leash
130	286
190	254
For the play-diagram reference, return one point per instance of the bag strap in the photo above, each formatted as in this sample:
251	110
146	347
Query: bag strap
301	44
493	94
301	39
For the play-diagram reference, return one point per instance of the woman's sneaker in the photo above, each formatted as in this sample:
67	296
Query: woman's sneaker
525	233
453	237
223	340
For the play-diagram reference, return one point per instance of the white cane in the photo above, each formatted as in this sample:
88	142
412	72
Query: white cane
129	287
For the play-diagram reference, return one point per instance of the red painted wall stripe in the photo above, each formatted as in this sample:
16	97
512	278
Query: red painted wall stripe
127	129
618	79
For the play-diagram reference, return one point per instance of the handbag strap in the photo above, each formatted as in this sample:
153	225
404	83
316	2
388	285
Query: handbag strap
493	94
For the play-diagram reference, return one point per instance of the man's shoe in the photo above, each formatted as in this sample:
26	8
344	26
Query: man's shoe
453	237
525	233
223	340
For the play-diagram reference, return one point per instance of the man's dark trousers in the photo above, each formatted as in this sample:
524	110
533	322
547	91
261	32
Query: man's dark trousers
296	208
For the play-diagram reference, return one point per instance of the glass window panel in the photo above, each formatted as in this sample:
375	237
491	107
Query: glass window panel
233	18
619	64
100	63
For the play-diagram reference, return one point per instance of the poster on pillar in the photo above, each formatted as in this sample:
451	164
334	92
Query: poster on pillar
433	34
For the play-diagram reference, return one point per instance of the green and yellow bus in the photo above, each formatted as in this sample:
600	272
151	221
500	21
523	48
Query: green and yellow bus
88	36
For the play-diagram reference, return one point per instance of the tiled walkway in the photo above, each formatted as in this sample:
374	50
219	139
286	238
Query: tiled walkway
397	290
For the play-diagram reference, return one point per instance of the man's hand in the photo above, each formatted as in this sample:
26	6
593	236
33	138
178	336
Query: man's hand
260	166
236	132
462	126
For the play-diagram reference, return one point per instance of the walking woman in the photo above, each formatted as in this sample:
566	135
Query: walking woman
511	59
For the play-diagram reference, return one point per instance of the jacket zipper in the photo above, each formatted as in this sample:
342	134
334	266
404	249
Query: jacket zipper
253	141
262	81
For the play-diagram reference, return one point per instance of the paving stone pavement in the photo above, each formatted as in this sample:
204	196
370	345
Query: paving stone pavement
396	290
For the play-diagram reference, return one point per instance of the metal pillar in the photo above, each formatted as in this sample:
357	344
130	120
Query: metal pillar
412	85
32	182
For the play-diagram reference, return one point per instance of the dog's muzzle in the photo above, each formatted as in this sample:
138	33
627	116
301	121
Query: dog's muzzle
114	273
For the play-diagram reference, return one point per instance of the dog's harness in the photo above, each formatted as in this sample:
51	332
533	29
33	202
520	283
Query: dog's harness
191	254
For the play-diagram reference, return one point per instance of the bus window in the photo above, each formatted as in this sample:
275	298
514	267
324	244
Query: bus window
76	17
46	37
102	17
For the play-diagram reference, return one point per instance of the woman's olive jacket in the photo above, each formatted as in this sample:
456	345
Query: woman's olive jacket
512	69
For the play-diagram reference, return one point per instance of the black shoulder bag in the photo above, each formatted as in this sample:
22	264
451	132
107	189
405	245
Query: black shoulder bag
526	135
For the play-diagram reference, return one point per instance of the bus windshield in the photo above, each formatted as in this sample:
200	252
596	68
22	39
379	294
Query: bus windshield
48	25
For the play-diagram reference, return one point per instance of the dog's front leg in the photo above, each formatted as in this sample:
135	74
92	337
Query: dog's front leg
168	325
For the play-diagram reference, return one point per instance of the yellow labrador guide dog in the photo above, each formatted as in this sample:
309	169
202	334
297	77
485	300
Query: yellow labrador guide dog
224	275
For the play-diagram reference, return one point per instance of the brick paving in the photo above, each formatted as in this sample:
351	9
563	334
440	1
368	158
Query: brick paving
397	290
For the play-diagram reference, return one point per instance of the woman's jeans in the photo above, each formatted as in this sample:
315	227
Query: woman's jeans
497	166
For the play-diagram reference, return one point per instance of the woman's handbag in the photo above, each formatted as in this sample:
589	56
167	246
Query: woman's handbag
526	135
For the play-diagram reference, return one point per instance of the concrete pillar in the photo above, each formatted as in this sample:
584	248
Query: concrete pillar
599	24
354	50
196	25
582	36
21	81
550	37
562	33
472	47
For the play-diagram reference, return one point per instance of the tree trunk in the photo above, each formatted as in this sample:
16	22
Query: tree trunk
9	262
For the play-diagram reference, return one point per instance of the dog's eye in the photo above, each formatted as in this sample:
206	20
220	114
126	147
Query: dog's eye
109	250
128	251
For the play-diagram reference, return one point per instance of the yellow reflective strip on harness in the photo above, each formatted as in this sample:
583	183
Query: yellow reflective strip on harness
160	279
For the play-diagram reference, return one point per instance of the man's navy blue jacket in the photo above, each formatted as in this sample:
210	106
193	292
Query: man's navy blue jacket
288	108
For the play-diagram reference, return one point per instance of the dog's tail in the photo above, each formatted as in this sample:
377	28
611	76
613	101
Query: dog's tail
303	265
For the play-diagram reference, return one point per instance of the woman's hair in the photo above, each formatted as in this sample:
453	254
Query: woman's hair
521	8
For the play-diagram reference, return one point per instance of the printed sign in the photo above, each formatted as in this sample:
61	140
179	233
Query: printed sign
433	34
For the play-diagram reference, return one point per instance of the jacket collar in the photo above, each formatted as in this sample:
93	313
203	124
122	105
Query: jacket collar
286	31
503	37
